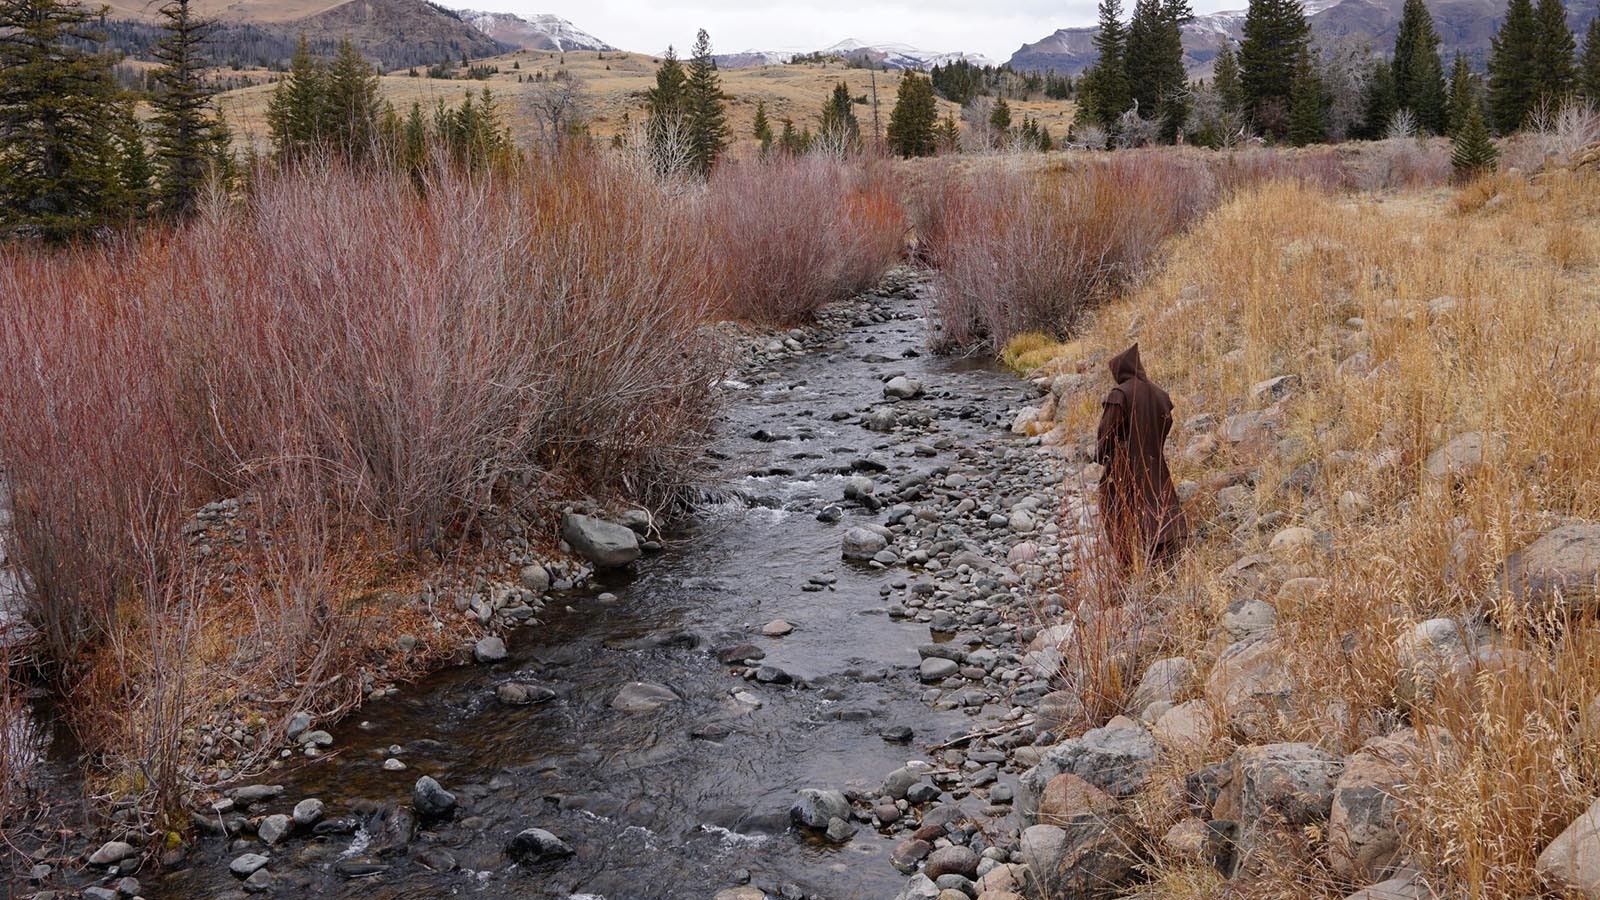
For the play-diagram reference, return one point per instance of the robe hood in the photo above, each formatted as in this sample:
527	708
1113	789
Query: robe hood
1125	365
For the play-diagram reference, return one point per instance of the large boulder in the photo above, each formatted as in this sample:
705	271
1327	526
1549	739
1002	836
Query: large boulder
606	544
1091	855
431	800
1190	725
1571	864
1558	572
1288	783
1406	886
1116	759
1430	655
1251	686
863	543
1364	828
537	848
1463	456
1164	680
816	808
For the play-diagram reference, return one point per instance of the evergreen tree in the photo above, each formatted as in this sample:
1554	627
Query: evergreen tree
666	104
352	102
707	117
1589	64
1000	120
914	120
1105	86
1471	151
1512	87
135	173
789	141
839	124
1463	94
949	135
1418	74
1276	36
1154	62
1225	79
1308	105
1555	74
1381	102
59	170
763	128
183	117
297	114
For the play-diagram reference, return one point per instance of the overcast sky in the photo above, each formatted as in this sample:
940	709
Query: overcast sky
994	28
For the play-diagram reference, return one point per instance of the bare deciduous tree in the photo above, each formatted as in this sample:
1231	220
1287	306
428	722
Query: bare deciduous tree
558	109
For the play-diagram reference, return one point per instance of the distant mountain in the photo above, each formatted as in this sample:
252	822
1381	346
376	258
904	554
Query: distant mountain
400	33
1465	25
877	56
541	32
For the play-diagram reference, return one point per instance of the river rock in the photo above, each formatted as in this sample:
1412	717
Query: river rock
902	388
642	697
431	800
1401	887
1088	859
1189	726
908	853
863	543
535	578
489	649
1557	573
935	669
1116	759
1251	686
815	808
1572	861
1293	781
112	852
1462	456
952	860
1163	680
514	693
256	793
1364	828
606	544
308	812
1429	655
537	847
273	829
245	865
776	628
919	888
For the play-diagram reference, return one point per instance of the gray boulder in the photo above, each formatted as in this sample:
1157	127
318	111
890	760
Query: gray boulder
1251	686
1559	572
1164	679
1571	863
606	544
1364	828
1462	456
431	800
863	543
1116	759
816	808
1292	782
537	847
643	696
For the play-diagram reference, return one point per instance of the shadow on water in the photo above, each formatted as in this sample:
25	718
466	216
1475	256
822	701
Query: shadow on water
672	803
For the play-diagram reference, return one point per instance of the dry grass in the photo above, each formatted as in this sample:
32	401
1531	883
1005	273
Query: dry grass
1286	279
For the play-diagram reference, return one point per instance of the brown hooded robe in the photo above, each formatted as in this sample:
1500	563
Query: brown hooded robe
1137	501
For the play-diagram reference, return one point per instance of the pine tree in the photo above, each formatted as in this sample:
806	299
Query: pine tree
297	114
1555	74
790	141
1154	62
1589	64
1276	36
1512	86
1418	74
666	106
914	120
1381	103
59	177
1463	94
1105	86
183	117
839	124
707	118
1000	120
135	173
352	102
763	128
1308	105
949	135
1225	78
1471	151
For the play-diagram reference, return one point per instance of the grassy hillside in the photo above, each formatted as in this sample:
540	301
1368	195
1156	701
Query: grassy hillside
615	84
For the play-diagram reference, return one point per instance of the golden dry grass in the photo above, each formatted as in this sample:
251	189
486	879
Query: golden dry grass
1285	280
615	84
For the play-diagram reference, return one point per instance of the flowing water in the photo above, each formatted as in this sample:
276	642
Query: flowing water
674	803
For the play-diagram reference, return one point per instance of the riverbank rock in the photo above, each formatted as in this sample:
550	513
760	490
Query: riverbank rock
1364	831
1427	656
1090	857
952	860
1462	456
112	852
1164	680
606	544
1292	782
536	847
902	388
1116	759
490	649
247	864
863	543
1571	863
642	697
431	800
816	808
1251	686
1557	573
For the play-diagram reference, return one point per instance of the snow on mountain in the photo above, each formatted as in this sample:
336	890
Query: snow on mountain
540	32
899	56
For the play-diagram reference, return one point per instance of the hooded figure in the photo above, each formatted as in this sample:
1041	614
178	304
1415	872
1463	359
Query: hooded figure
1137	501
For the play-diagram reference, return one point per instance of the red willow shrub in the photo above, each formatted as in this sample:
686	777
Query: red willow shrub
791	235
339	343
1031	252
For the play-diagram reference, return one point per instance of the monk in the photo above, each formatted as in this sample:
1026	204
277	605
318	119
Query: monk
1138	504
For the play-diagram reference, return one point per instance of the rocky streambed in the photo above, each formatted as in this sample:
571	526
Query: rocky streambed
820	689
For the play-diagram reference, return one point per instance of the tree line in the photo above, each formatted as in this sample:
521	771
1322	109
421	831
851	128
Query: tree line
1276	84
